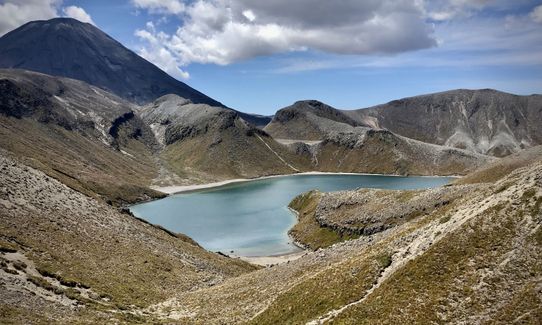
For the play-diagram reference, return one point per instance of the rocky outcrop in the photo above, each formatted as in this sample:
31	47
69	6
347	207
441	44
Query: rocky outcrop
308	120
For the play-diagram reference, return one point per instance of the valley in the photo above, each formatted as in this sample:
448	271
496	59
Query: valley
423	210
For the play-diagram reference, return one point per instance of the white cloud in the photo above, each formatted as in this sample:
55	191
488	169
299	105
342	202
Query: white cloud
513	41
445	10
536	14
370	33
226	31
249	15
173	7
78	13
158	54
14	13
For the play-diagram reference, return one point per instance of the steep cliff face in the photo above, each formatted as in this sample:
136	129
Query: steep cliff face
484	121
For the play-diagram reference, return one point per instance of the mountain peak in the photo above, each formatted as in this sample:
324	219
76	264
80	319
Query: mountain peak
90	55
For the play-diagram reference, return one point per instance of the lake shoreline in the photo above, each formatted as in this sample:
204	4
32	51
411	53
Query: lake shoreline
177	189
271	260
298	249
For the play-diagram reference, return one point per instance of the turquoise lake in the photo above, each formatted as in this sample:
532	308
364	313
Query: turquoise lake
252	218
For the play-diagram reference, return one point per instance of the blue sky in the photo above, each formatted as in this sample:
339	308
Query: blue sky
261	56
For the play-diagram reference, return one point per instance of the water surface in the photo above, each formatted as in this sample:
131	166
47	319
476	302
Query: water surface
252	218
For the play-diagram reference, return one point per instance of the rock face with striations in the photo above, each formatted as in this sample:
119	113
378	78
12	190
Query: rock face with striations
484	121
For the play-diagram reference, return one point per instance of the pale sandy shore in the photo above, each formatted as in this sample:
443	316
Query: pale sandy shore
188	188
271	260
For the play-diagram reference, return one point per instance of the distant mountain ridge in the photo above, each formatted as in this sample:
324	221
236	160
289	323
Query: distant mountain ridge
482	121
485	121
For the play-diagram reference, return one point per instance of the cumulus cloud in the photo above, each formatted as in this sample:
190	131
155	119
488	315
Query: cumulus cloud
14	13
78	13
173	7
156	53
536	14
226	31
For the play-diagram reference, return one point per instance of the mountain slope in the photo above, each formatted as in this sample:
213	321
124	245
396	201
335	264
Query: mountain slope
90	55
484	121
205	143
365	150
337	142
68	258
80	134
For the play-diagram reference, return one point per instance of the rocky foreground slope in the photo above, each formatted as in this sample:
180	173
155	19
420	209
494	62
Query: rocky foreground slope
69	258
466	253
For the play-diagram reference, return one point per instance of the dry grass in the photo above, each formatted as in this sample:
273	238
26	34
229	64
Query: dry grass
81	163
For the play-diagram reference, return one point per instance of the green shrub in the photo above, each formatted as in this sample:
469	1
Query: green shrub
445	219
384	260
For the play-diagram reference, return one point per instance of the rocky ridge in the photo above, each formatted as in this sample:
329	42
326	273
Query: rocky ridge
77	133
482	121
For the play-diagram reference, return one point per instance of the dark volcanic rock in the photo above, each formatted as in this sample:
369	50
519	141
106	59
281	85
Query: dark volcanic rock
90	55
69	48
71	104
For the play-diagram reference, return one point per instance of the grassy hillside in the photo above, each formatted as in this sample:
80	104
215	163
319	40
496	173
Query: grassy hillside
85	137
203	143
462	253
66	257
378	151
